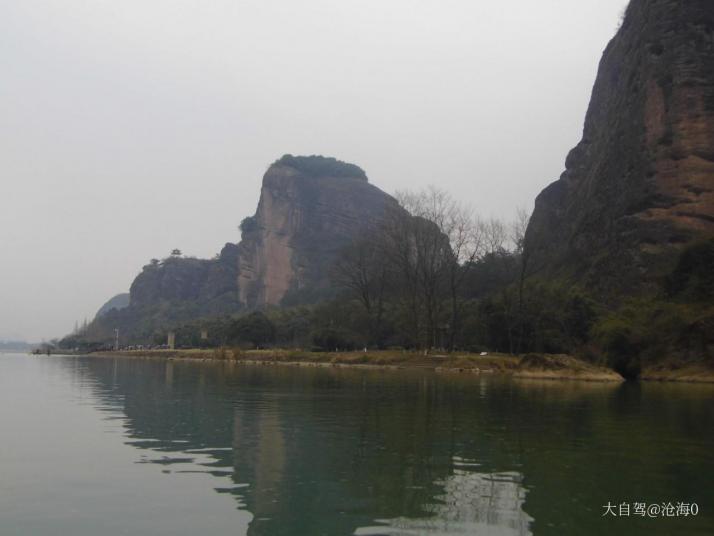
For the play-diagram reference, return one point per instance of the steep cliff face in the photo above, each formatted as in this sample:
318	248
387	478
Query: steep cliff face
208	284
640	184
309	208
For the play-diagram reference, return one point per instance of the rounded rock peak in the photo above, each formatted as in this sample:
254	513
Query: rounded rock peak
321	166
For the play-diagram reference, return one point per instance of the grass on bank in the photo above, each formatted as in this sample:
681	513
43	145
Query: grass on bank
528	366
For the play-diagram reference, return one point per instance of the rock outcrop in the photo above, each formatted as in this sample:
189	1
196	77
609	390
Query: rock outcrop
208	285
309	209
640	184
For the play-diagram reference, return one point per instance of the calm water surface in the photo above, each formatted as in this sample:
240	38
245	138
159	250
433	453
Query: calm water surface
92	446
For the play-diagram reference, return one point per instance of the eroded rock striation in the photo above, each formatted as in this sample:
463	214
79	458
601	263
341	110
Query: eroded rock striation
640	184
309	209
209	286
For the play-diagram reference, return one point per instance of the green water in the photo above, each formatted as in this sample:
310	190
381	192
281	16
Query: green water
92	446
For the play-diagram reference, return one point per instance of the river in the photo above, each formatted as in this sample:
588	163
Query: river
102	446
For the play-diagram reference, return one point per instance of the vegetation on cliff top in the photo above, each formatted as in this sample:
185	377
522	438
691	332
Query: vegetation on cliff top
322	166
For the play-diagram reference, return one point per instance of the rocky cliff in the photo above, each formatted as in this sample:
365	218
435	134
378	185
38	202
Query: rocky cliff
640	184
309	209
210	285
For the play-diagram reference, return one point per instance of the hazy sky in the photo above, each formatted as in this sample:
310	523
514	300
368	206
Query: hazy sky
131	127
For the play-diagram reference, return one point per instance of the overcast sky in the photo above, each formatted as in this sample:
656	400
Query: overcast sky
128	128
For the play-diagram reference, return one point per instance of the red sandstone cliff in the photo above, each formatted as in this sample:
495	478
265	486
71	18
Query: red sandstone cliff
640	184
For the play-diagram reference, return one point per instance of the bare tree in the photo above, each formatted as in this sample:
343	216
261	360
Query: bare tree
398	250
431	211
519	226
445	239
498	243
495	236
466	238
421	256
361	270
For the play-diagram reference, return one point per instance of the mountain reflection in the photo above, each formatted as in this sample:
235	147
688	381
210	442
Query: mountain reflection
326	451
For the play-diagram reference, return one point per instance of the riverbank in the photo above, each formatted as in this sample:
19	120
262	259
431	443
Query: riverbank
537	366
678	372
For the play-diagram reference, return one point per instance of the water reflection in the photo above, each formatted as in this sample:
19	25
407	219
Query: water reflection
362	452
471	503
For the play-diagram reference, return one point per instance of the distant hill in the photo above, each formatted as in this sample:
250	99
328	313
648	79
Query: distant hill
15	346
118	302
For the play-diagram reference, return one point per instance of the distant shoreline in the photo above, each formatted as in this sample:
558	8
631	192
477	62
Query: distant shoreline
536	366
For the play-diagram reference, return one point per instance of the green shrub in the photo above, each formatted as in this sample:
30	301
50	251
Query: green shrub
320	166
329	339
645	331
249	224
254	328
693	277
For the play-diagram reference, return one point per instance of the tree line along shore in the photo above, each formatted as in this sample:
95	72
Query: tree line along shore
435	277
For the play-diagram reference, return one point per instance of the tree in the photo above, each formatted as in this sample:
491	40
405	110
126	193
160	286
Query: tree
416	264
519	226
249	224
419	254
431	244
255	328
398	251
466	238
494	236
361	271
175	252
